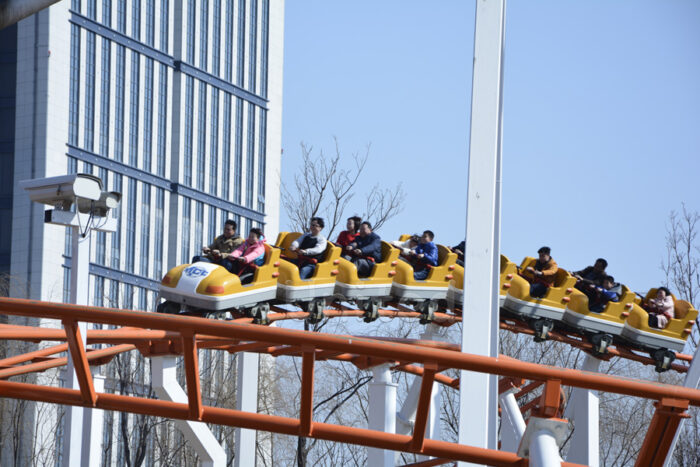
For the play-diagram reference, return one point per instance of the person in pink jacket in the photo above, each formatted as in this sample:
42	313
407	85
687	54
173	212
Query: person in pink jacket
660	309
252	251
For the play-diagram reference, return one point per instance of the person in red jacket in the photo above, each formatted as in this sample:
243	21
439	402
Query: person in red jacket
348	236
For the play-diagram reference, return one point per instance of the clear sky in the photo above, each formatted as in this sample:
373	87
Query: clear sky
601	117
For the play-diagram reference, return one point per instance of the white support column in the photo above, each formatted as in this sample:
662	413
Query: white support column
512	422
382	412
583	409
478	392
544	451
75	440
94	424
201	439
692	380
247	401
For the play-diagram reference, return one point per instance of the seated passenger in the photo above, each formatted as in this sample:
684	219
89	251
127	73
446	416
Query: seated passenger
591	278
365	250
222	246
541	277
346	237
252	251
459	249
660	309
425	254
609	291
312	245
407	246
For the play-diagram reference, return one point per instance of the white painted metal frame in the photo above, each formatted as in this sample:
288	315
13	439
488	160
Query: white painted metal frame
247	401
583	409
692	380
382	412
479	392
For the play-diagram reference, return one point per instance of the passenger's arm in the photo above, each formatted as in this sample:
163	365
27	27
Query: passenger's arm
318	249
295	244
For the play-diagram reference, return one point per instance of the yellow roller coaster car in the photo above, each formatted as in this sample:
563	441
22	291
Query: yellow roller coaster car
377	285
610	321
291	288
435	285
551	306
673	336
210	287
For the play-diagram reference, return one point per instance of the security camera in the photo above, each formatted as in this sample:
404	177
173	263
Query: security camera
108	200
62	191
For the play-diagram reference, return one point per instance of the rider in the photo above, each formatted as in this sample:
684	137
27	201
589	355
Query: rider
312	245
346	237
541	277
424	255
365	250
222	246
250	251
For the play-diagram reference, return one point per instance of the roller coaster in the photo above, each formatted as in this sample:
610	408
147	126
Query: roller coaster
209	289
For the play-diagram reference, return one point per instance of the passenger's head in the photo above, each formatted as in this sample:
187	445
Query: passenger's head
662	292
600	265
414	240
365	229
427	236
229	228
608	282
255	235
316	225
544	253
353	224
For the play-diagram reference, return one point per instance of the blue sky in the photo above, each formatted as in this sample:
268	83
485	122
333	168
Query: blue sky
601	117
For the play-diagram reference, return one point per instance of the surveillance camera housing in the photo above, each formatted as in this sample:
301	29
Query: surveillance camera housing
62	191
108	200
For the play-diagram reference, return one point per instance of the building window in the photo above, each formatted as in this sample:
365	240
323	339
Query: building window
91	9
262	159
117	236
189	117
131	226
121	16
226	149
185	250
74	85
136	19
99	298
213	232
104	96
199	225
128	299
107	12
164	25
145	256
240	69
150	22
265	38
228	70
148	116
250	164
162	119
214	146
238	169
134	112
202	135
203	34
159	233
190	31
119	105
253	45
89	135
101	237
216	47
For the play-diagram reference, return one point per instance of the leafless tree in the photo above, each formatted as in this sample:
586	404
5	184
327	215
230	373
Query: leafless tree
324	186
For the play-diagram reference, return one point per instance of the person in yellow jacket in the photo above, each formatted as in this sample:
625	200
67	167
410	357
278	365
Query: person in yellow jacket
541	276
222	246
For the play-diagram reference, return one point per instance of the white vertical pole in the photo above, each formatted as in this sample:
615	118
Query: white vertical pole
512	422
166	387
94	424
692	380
583	408
247	401
382	412
478	392
74	440
544	451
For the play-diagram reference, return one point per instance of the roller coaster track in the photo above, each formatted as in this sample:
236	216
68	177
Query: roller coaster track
156	334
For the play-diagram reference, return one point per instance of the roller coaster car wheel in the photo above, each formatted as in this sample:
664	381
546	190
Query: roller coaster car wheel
259	313
170	308
663	359
371	308
427	309
315	309
601	342
541	326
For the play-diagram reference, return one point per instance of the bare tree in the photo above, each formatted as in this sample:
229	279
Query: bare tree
324	185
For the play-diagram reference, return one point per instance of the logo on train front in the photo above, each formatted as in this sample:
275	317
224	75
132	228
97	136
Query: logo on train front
194	271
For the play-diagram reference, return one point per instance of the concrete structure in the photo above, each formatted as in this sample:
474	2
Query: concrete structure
174	103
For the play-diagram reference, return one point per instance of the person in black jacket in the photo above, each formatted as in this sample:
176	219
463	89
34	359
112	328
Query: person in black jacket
365	250
312	245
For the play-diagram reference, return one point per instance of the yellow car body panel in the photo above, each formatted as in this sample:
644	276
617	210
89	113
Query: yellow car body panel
435	285
609	321
378	284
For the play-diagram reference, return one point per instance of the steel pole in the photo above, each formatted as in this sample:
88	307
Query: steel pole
382	412
583	408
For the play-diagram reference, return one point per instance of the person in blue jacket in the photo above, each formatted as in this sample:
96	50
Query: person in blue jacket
365	250
426	253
